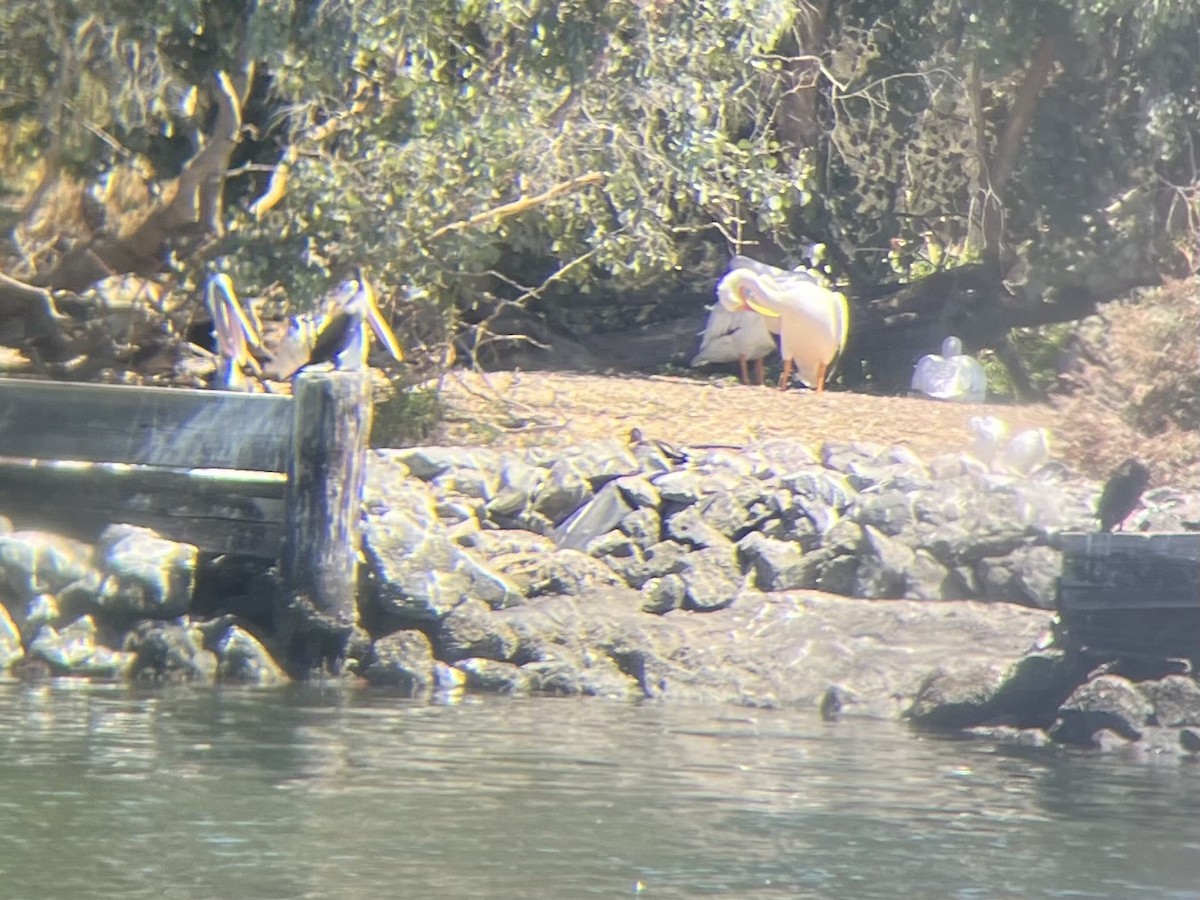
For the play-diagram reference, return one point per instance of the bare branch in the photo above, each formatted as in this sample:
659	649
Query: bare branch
521	204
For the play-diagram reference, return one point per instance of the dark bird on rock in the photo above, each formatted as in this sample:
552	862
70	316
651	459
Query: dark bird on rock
1121	493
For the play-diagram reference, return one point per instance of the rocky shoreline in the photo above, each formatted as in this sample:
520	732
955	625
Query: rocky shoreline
855	580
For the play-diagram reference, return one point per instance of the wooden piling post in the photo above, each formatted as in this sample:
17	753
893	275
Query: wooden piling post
325	485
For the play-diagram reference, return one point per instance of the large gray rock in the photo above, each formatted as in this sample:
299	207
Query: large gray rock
1176	700
471	630
883	566
11	649
643	526
691	528
1108	702
957	697
493	675
889	512
427	463
414	565
928	579
661	595
598	516
711	578
1027	576
34	562
144	575
565	490
402	660
75	651
778	649
776	565
242	658
782	456
637	567
1025	694
170	653
638	491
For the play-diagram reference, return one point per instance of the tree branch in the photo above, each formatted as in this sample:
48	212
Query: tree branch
521	204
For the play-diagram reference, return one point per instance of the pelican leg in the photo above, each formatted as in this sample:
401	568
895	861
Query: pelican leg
760	376
785	376
745	370
822	368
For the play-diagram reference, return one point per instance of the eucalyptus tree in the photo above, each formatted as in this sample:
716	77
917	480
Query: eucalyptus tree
573	155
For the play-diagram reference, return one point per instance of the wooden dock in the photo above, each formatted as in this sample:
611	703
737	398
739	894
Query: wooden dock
1131	594
261	475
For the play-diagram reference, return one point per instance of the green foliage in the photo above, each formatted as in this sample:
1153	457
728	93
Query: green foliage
406	417
716	126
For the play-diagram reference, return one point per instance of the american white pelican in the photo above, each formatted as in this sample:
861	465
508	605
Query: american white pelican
950	375
236	330
1121	493
814	321
338	335
1027	451
740	335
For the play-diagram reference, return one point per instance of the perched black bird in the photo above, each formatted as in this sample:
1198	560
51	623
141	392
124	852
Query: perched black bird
1121	493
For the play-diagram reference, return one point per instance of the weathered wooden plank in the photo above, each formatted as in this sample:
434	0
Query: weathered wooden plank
1131	594
1182	545
214	529
129	478
155	426
1087	596
325	485
1115	633
221	511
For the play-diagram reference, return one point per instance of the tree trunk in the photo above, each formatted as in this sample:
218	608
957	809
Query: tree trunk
191	213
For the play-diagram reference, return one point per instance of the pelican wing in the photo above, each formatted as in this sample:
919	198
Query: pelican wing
974	380
295	350
732	336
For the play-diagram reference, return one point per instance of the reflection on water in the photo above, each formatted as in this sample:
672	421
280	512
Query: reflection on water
109	792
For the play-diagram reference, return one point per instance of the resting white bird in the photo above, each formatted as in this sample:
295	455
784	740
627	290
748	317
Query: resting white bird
338	335
989	431
1028	450
236	330
739	335
950	375
814	321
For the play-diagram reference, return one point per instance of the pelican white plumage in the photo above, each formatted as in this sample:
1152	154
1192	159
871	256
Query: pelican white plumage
950	375
236	330
1027	451
338	335
989	432
814	320
740	335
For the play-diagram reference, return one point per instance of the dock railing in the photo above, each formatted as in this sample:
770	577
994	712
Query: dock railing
1131	594
261	475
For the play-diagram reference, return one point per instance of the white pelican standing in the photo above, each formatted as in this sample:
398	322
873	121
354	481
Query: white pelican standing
814	320
338	335
236	330
950	375
740	335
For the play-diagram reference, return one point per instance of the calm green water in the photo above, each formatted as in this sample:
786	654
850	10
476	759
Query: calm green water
108	792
